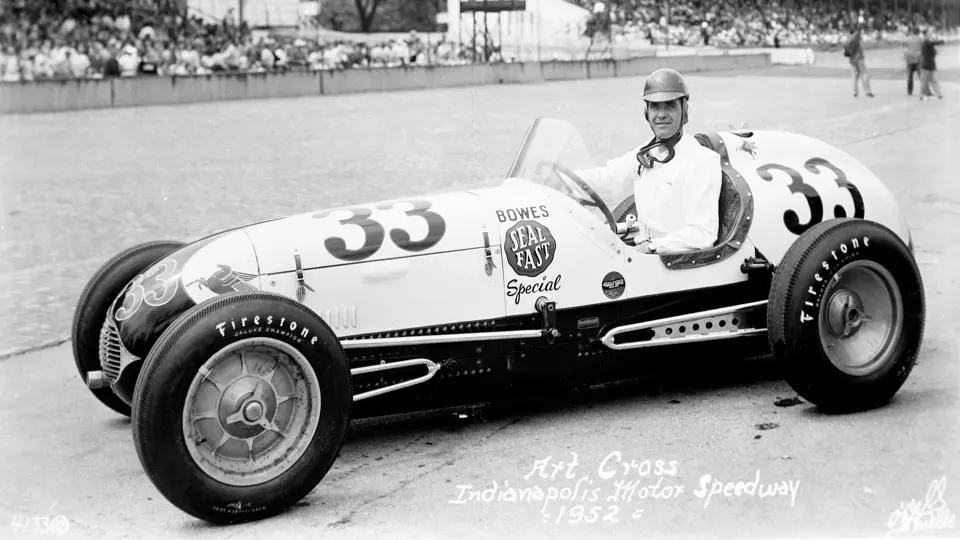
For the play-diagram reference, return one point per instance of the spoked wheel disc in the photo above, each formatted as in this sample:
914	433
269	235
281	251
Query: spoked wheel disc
251	411
861	318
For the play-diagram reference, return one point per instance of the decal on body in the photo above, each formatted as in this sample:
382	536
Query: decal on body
226	265
516	289
838	257
613	285
748	147
374	233
527	212
531	248
155	287
224	280
817	166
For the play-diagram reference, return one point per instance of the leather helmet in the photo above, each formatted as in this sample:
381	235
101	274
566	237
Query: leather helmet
665	85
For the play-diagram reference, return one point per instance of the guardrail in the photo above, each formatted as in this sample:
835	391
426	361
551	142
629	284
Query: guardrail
72	95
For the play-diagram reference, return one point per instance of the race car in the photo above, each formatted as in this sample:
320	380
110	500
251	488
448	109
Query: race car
243	356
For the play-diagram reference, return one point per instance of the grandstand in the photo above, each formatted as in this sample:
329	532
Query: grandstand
57	39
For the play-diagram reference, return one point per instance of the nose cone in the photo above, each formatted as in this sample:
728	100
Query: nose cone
154	299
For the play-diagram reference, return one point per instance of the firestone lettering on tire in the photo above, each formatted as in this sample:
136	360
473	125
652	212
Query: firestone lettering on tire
838	257
251	324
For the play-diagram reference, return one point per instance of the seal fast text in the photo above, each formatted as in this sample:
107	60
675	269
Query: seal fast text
531	248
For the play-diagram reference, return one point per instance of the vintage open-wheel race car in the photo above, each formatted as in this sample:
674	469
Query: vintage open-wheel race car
242	357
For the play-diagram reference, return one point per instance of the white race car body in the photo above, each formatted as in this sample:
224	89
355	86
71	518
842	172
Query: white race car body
478	261
540	242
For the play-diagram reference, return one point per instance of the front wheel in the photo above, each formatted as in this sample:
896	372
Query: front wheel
242	407
846	314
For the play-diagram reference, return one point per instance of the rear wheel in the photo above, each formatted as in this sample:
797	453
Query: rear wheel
846	314
95	300
242	407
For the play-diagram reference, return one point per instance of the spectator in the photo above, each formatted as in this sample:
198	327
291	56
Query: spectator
129	60
414	46
911	55
853	50
79	62
9	65
42	62
112	65
928	66
151	59
267	58
190	57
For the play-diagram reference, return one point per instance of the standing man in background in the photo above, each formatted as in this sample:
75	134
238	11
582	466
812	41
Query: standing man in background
853	50
928	66
911	55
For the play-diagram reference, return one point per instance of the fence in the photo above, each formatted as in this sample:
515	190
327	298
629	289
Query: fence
68	95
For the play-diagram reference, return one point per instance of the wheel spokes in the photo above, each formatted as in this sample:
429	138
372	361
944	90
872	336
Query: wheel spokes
208	377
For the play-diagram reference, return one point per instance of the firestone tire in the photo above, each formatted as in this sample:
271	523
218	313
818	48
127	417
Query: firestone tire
91	311
846	314
242	407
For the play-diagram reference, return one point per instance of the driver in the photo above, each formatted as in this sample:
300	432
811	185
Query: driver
677	183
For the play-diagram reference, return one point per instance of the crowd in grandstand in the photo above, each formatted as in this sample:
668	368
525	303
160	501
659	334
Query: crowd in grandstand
56	39
766	23
91	38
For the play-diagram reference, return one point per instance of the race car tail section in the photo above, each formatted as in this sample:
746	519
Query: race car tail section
797	182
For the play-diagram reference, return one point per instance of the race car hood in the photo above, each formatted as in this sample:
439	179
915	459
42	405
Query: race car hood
372	232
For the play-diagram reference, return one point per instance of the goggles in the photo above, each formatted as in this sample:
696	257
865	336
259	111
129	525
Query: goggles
655	152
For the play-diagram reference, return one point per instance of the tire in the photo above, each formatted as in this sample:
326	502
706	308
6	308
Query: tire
841	282
91	311
271	334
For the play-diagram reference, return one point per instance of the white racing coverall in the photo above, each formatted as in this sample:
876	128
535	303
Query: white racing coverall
677	202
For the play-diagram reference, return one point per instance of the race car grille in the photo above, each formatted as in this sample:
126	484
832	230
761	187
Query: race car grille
110	350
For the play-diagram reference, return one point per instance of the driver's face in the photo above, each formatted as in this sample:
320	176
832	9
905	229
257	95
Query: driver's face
664	118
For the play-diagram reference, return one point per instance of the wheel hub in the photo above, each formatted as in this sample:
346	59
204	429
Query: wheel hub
845	313
861	318
247	407
252	411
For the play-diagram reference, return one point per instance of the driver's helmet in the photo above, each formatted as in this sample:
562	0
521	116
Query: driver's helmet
665	85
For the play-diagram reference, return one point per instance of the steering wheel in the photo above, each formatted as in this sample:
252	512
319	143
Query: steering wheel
567	176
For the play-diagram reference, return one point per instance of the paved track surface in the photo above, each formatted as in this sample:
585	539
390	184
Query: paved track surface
78	187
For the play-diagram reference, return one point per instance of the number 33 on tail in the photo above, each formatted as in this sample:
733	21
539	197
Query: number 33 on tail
817	166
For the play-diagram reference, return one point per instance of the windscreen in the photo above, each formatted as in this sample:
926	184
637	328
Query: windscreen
550	141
